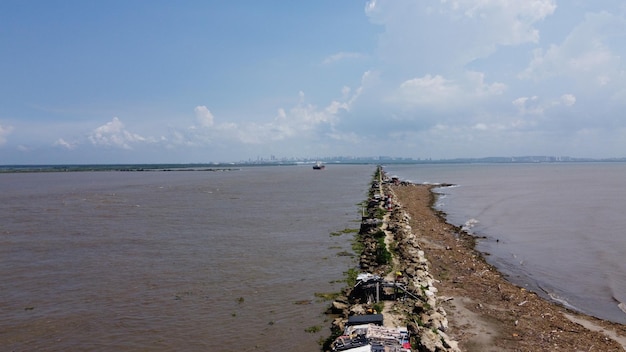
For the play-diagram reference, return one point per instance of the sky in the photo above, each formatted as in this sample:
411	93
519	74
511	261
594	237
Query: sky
198	81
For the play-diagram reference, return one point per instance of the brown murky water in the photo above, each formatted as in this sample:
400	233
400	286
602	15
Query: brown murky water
556	228
162	261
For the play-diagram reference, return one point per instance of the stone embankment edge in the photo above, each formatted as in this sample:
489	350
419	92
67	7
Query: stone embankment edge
420	311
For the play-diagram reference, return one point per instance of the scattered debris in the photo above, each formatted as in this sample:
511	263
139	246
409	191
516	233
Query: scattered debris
372	337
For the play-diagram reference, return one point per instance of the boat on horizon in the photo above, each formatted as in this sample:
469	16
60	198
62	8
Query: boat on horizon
319	166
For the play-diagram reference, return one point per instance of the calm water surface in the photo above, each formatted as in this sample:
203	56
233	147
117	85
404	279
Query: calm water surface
558	229
162	261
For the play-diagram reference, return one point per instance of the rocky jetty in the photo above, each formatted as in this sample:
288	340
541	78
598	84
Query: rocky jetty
410	257
394	275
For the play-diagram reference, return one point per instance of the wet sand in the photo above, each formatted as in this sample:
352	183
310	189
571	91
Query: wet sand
486	312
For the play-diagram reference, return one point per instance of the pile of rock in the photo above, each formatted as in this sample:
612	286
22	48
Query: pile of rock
419	308
426	318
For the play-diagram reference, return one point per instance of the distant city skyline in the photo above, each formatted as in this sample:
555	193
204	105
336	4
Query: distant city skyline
212	81
273	160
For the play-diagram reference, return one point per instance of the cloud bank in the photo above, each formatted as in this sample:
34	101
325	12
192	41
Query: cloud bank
440	79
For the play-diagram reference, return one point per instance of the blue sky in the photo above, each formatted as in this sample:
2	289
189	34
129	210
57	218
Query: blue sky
140	81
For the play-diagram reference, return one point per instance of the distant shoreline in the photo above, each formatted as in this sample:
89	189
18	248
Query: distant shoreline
221	166
121	168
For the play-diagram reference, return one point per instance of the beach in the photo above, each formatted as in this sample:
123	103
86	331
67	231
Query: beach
485	312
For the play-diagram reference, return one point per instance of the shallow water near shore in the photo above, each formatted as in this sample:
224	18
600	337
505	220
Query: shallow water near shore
557	229
162	261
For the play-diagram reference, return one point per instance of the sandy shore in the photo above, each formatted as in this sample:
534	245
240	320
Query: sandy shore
485	312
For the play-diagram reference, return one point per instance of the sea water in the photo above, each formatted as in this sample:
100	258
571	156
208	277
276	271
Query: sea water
558	229
180	260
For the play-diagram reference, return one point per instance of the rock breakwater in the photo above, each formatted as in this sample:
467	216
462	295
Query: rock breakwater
394	278
410	257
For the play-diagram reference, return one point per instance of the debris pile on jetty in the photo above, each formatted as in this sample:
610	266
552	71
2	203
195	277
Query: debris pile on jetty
372	337
394	295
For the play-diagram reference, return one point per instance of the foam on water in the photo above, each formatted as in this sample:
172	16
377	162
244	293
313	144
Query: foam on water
469	225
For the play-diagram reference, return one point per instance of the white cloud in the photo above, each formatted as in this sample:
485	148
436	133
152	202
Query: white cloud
476	81
444	35
340	56
448	70
528	105
427	90
113	134
64	144
204	116
481	126
568	99
296	122
4	132
439	92
511	21
204	130
302	122
536	106
585	54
